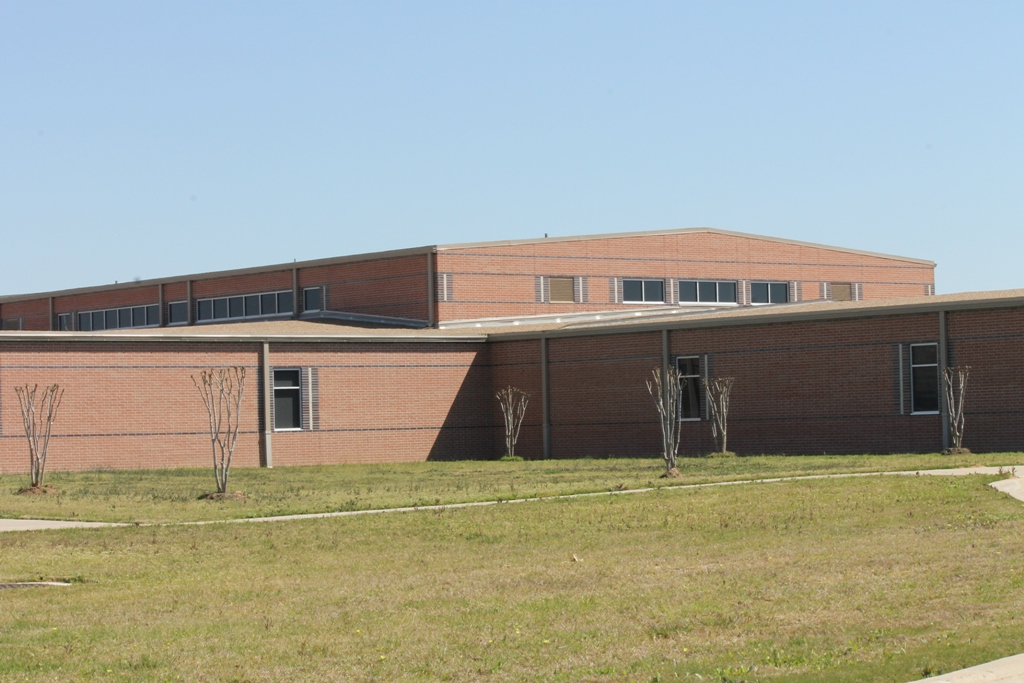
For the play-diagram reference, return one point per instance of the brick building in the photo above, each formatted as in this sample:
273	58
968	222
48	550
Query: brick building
396	356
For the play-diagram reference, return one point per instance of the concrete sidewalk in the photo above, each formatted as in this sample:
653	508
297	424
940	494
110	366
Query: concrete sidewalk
1005	670
1013	487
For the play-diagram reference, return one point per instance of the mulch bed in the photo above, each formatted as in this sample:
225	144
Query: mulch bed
44	490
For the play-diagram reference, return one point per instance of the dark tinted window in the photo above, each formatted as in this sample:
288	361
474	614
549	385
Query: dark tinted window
64	322
687	290
924	378
654	290
707	291
109	319
177	312
220	309
690	388
924	354
284	302
205	310
252	305
235	307
758	292
778	292
632	290
286	378
287	400
727	292
311	298
139	316
85	322
153	314
268	302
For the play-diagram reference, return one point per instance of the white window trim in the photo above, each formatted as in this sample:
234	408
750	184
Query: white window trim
924	365
302	402
769	282
717	301
664	290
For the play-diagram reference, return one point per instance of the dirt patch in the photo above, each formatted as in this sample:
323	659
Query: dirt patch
957	451
44	490
671	474
233	495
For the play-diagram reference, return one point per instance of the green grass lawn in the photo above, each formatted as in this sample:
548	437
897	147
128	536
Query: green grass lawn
173	495
868	579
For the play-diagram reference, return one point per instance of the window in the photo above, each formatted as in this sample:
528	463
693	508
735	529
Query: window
235	307
561	290
312	299
64	322
643	291
287	399
769	292
116	318
691	395
720	292
924	378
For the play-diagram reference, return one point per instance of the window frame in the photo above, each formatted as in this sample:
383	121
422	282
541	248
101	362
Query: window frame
700	388
116	315
768	283
218	303
643	289
938	379
562	279
319	308
718	291
300	389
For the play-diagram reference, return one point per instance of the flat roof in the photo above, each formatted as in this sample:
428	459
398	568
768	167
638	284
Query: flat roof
415	251
317	332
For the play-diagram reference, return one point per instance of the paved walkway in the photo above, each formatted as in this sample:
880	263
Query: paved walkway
1013	487
1007	670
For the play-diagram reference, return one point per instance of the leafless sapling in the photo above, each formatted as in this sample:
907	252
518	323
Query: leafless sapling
38	411
513	403
667	392
222	390
955	389
718	391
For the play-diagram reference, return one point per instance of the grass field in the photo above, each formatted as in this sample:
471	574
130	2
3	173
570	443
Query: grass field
873	579
173	495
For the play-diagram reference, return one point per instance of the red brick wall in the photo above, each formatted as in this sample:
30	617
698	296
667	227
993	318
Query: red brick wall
391	403
812	387
125	405
517	364
393	287
129	405
389	287
804	387
499	281
992	344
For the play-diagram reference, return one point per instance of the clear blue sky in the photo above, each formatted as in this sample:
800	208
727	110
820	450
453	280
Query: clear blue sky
145	139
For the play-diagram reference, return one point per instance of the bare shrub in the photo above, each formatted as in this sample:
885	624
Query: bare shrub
513	403
718	391
38	411
955	390
222	391
667	393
